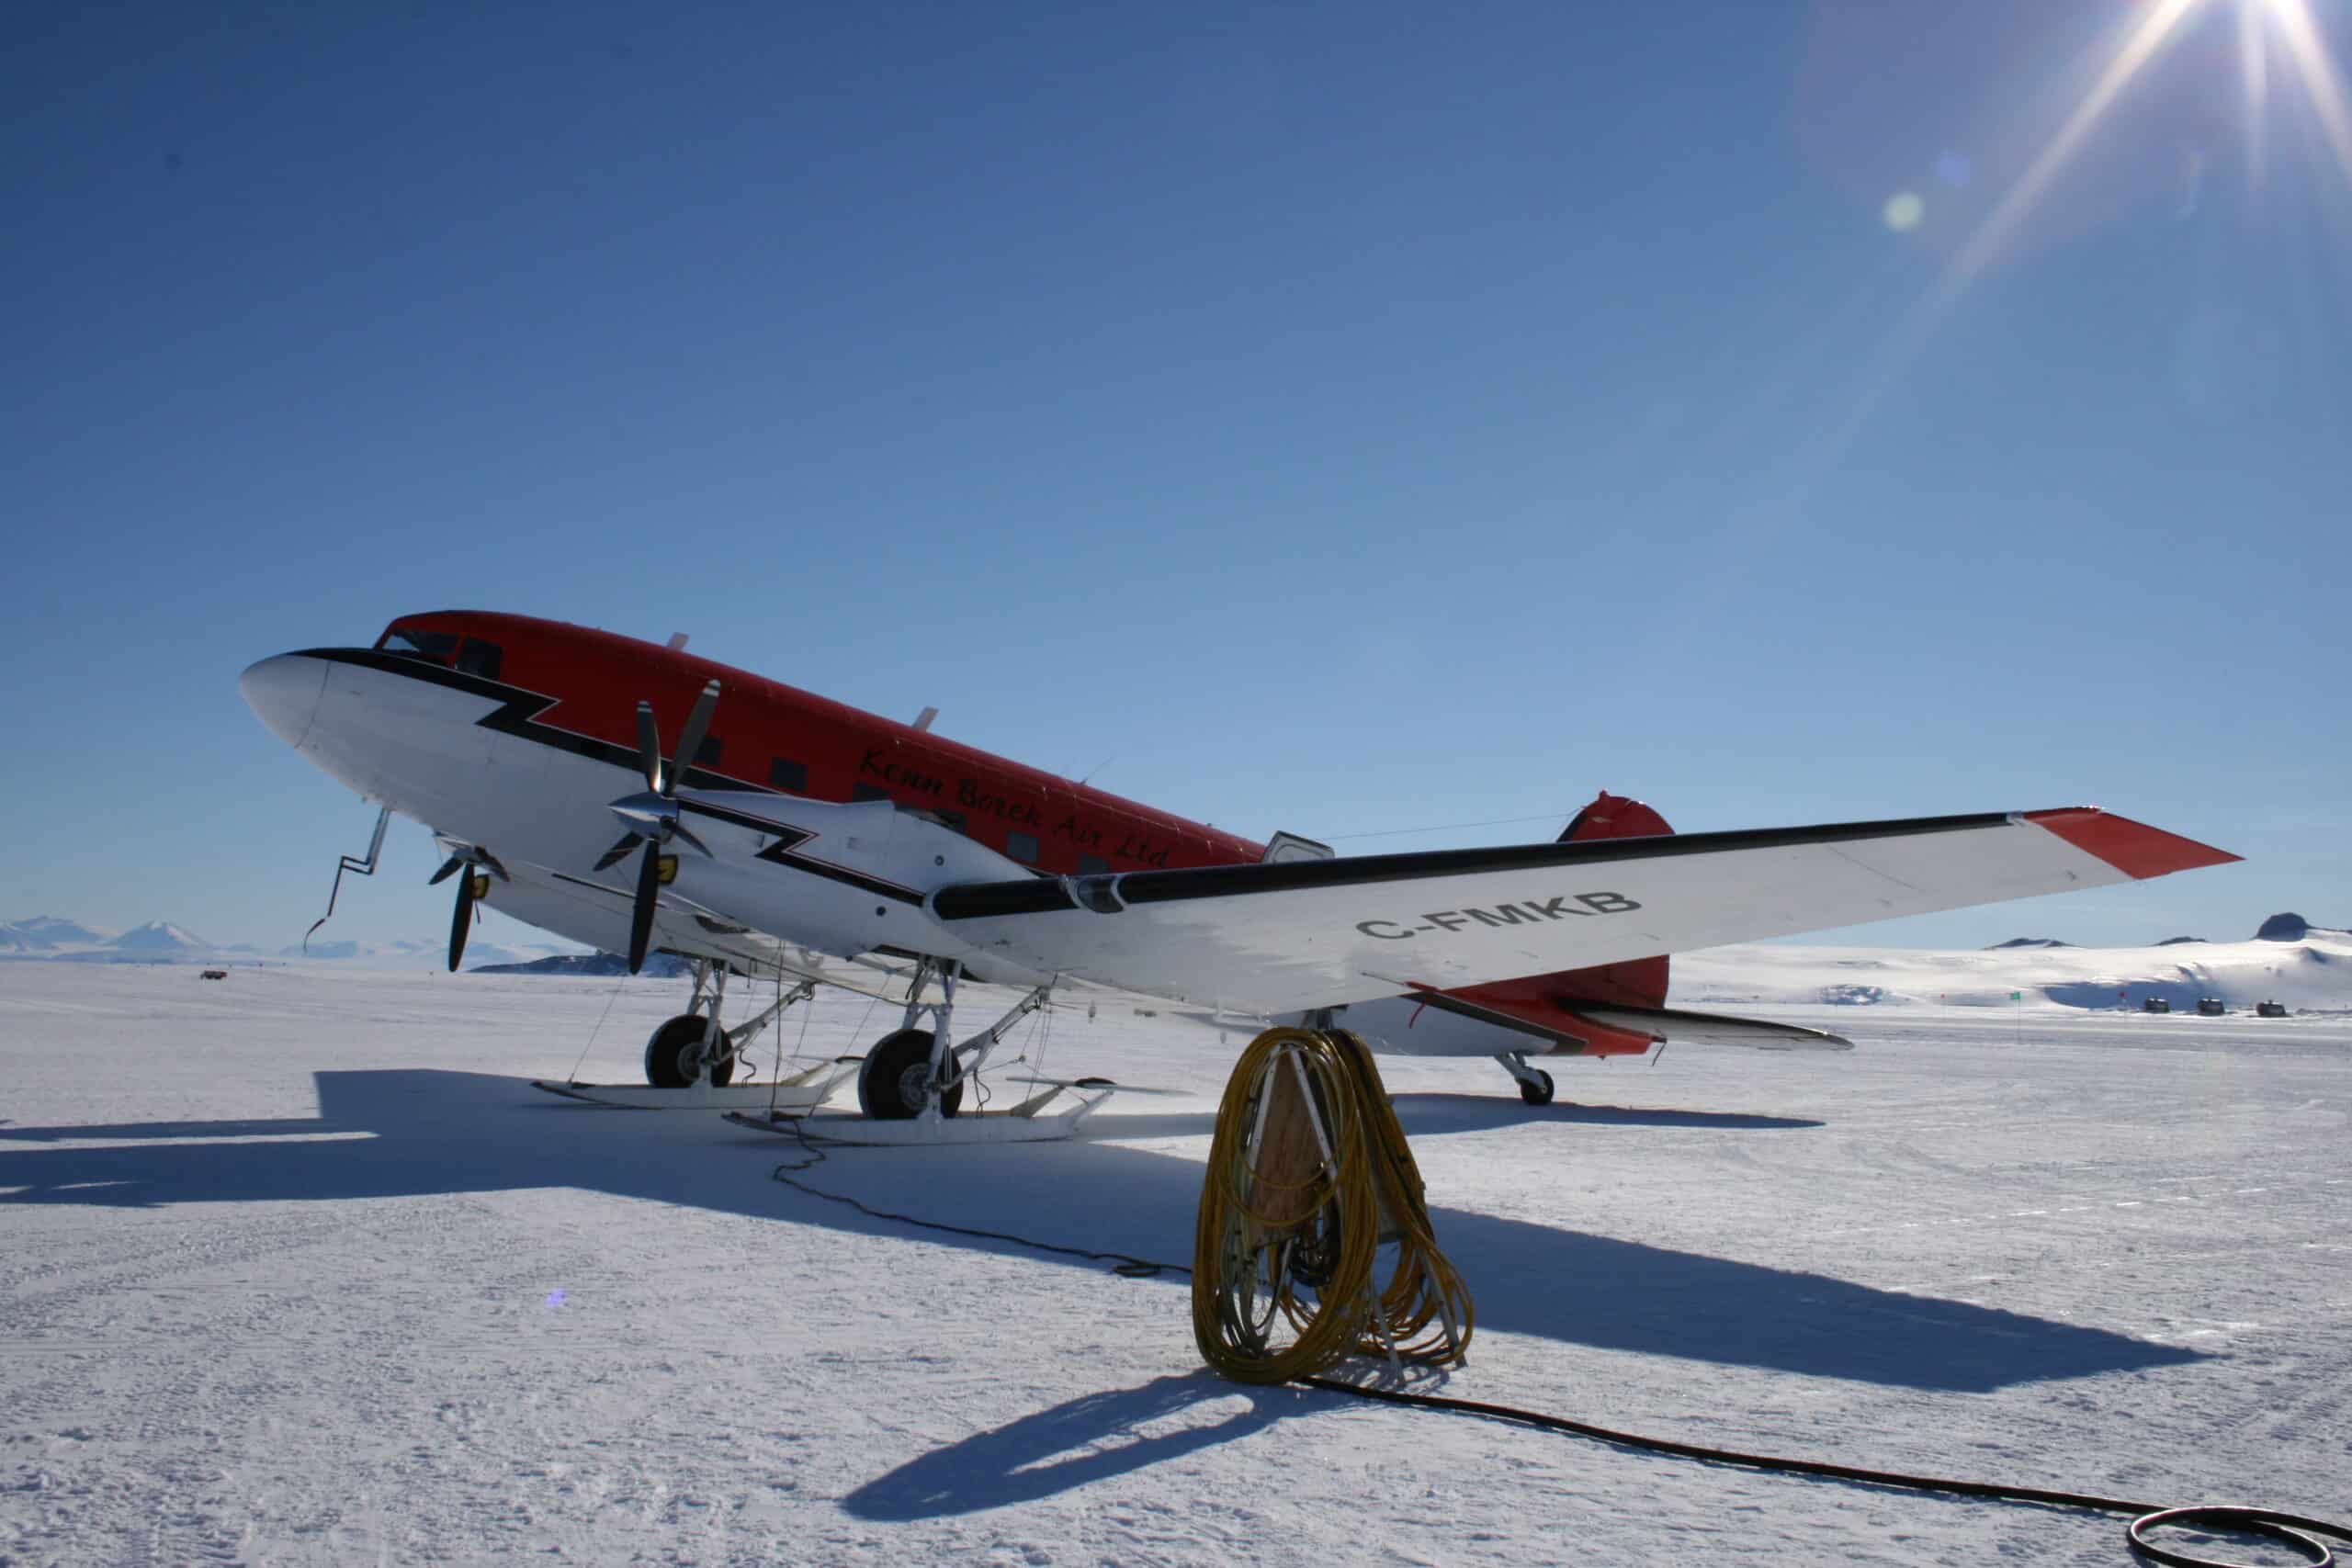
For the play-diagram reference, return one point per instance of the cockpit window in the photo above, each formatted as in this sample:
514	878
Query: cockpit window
480	658
417	643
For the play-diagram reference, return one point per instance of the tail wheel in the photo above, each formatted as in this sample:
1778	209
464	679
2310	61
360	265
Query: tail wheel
1536	1093
890	1085
675	1053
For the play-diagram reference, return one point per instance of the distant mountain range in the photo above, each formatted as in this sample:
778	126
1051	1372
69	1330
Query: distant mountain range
162	941
46	933
658	966
407	951
46	936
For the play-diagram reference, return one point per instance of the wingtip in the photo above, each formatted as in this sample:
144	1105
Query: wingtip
2132	848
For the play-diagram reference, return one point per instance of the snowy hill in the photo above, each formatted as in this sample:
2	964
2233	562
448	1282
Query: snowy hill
161	939
2314	974
2292	927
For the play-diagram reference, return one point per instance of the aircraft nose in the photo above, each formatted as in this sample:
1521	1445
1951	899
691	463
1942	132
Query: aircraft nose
284	692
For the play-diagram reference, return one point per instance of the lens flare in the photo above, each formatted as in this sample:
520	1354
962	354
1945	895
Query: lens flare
2292	21
2141	45
2142	41
2254	78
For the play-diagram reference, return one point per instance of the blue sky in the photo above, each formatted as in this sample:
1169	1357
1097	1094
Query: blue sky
1342	419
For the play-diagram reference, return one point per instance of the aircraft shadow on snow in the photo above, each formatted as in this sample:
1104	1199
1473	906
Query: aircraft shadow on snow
417	1132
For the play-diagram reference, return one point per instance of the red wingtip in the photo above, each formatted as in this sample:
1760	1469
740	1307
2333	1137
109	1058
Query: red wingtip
2132	848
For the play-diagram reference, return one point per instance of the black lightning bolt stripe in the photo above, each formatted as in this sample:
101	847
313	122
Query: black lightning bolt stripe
517	715
788	840
518	712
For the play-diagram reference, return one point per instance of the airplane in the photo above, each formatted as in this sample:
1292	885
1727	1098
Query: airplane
784	835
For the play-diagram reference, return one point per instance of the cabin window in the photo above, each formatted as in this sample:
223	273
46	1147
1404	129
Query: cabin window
868	792
1022	846
416	643
1093	865
790	776
707	754
480	658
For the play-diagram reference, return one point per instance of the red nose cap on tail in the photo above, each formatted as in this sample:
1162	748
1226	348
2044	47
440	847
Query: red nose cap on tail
1614	817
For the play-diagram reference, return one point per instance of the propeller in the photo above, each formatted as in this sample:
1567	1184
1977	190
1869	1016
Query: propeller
650	818
469	888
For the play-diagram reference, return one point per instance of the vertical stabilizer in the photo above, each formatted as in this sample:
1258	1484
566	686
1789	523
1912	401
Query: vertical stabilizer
1552	1000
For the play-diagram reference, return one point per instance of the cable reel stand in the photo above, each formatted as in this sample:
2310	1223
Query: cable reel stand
1309	1183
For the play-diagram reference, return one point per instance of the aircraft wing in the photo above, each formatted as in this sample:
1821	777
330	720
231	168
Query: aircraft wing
1304	934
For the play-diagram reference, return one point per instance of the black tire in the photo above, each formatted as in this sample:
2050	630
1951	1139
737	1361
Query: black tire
890	1084
671	1054
1537	1094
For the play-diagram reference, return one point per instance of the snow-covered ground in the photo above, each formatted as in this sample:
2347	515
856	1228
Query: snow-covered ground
297	1270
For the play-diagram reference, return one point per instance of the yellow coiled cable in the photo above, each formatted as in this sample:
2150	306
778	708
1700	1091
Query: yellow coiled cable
1271	1255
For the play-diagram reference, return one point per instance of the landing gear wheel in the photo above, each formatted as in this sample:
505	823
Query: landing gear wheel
1536	1093
890	1085
675	1049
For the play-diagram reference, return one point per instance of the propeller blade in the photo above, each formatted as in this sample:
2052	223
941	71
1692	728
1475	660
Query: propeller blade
448	869
680	830
640	916
690	741
462	921
615	855
649	746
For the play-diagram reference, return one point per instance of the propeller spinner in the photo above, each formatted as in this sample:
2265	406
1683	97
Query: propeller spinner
651	817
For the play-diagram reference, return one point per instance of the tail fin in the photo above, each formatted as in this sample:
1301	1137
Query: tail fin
1620	1009
1552	1000
1640	982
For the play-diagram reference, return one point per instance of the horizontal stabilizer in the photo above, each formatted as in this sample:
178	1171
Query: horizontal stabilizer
1714	1028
